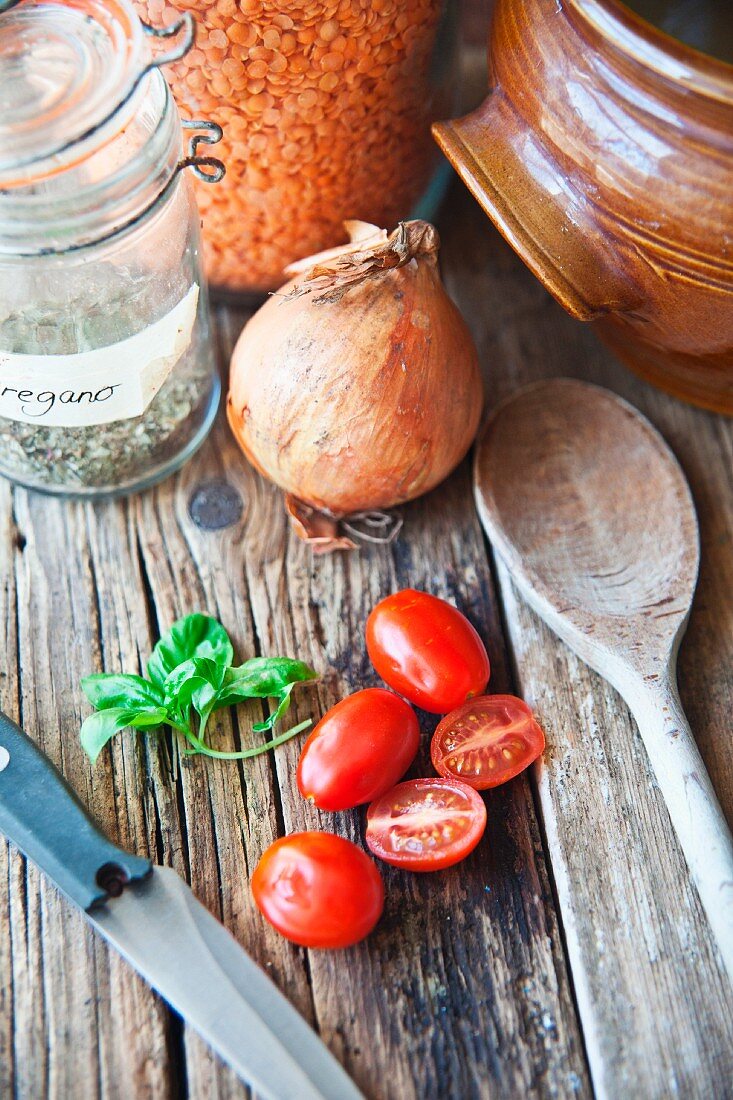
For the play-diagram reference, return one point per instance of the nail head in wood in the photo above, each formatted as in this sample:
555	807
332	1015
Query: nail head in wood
215	505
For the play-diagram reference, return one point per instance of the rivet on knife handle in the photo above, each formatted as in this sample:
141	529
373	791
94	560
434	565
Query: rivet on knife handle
42	816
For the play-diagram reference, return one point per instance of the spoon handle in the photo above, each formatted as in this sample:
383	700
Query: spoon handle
693	807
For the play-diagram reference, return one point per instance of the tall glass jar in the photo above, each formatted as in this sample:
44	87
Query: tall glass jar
326	108
107	379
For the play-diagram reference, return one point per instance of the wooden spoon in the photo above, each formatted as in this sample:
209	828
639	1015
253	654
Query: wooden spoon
593	517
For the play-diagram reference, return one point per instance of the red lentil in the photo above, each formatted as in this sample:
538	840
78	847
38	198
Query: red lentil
325	106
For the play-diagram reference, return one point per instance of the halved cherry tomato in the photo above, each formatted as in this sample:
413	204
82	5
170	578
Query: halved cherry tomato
427	650
426	824
487	741
318	890
358	750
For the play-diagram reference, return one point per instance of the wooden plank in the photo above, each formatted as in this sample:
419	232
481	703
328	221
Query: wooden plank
82	1023
230	811
655	1006
8	861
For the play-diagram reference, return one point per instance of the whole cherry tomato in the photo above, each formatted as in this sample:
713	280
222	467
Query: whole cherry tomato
318	890
359	749
426	650
487	741
426	824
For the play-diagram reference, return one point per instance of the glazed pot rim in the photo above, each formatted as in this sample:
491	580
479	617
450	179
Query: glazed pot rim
654	49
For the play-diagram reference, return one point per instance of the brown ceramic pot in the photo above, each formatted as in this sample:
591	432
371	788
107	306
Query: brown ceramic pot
604	154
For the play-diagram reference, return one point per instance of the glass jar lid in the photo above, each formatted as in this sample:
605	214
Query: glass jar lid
68	74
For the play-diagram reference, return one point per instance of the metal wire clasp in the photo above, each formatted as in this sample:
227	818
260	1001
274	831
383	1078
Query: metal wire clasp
186	24
212	133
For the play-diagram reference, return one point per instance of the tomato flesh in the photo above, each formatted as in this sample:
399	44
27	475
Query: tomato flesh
358	750
318	890
487	741
426	824
426	650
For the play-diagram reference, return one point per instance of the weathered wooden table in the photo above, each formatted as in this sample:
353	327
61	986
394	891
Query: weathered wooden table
568	956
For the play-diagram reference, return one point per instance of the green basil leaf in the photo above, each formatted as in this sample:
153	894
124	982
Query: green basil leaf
196	681
213	672
286	669
193	636
99	728
208	683
204	699
276	715
191	689
105	690
262	678
179	712
148	719
175	681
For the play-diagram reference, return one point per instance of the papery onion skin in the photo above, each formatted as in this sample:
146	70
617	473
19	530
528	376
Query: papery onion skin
360	403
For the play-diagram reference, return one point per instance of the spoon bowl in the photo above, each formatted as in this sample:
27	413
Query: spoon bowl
593	517
584	501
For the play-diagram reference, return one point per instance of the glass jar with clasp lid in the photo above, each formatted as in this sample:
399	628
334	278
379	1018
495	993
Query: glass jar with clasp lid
107	376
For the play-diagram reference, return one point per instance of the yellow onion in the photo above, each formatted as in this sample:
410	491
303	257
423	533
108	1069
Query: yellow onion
357	387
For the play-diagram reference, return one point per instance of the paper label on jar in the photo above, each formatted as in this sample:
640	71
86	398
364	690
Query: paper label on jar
116	382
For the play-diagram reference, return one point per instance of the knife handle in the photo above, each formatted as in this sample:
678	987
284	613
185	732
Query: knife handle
43	817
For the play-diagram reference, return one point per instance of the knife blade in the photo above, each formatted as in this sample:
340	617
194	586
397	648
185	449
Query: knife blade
152	918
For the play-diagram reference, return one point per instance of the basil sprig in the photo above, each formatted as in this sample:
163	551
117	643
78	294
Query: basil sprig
191	675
